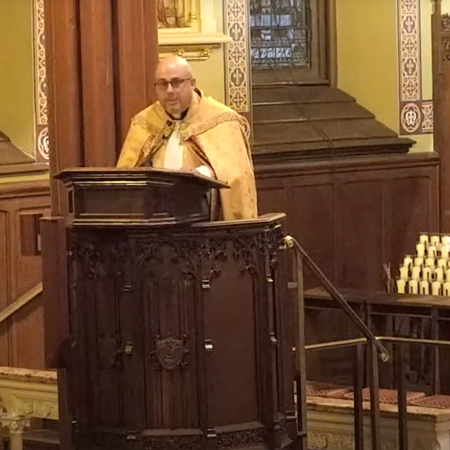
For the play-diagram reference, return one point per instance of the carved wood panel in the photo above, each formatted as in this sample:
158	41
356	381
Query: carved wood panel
178	339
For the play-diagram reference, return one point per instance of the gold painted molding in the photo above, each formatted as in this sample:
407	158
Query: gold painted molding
197	37
41	93
190	53
237	56
189	44
28	393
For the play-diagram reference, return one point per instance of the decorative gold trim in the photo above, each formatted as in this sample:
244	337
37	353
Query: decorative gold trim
318	440
41	102
427	116
193	53
195	42
409	51
237	56
28	395
15	425
185	36
416	114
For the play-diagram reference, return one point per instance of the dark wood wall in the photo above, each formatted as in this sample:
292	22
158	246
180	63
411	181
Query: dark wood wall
22	335
441	102
354	214
101	57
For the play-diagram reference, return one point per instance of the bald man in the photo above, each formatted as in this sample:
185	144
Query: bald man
183	130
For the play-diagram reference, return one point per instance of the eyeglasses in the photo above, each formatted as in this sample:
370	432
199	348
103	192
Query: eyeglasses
174	82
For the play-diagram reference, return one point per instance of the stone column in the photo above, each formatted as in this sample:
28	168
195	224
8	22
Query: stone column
16	426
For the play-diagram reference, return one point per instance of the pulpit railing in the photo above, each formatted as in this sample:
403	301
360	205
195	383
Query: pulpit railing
363	366
368	349
375	347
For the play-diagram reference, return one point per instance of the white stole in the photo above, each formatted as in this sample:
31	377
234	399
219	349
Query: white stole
174	150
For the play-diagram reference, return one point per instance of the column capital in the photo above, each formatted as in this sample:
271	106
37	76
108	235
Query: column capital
15	424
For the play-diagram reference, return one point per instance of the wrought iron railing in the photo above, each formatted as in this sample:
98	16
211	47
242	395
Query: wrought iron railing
360	365
367	352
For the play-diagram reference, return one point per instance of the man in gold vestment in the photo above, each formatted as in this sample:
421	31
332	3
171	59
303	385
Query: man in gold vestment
184	130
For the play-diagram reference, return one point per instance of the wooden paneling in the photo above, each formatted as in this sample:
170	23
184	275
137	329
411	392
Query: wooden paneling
313	214
441	101
273	197
4	264
21	336
352	215
175	336
101	57
27	337
136	59
56	303
233	347
64	105
359	232
97	76
410	207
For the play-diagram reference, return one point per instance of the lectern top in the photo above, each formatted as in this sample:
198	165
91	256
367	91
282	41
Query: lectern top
134	174
105	196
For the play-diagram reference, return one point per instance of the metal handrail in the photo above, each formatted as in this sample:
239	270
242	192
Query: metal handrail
21	302
358	380
291	242
357	341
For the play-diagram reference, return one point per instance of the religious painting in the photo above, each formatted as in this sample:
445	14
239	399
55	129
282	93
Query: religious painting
171	14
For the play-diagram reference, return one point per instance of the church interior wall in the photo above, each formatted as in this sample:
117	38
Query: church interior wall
425	141
210	75
445	6
367	55
209	71
367	51
369	62
17	73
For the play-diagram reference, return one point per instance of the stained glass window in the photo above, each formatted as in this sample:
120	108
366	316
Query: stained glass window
280	34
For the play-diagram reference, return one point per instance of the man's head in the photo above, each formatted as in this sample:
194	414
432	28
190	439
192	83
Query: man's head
175	84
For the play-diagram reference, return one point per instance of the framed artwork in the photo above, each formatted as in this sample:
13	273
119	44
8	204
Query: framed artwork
172	14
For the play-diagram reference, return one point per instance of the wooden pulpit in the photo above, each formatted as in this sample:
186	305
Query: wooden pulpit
173	332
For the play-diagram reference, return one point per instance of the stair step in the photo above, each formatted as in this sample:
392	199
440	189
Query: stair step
299	94
274	152
434	401
277	133
388	395
297	122
302	112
